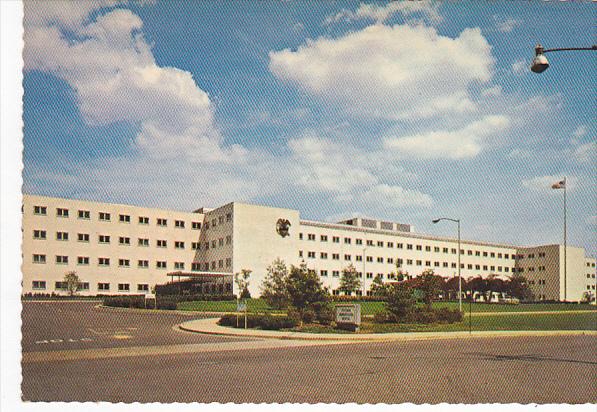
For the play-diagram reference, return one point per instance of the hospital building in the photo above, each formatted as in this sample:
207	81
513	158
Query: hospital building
122	249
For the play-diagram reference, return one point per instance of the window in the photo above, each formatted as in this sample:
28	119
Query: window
335	256
221	241
195	245
195	266
323	255
179	265
103	286
477	267
369	275
61	212
427	248
143	220
369	258
143	264
379	260
104	238
39	234
492	254
179	244
379	243
311	255
492	268
124	218
469	252
400	262
221	263
196	225
39	284
162	222
311	236
83	260
323	238
346	257
359	258
84	214
445	264
179	224
399	245
62	236
61	260
123	240
369	243
428	263
436	249
484	254
228	239
214	223
124	287
162	243
323	273
228	262
409	246
419	263
213	244
40	210
469	266
347	240
83	285
160	264
229	217
105	216
445	250
336	239
142	287
335	273
220	220
125	263
409	261
39	258
484	267
206	227
359	241
419	247
390	244
436	264
206	245
499	255
103	261
300	236
506	256
60	285
143	242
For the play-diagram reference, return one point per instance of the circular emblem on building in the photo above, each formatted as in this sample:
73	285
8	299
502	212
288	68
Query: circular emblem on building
283	227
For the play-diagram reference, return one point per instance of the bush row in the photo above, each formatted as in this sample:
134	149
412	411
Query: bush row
138	301
188	298
33	296
421	315
344	298
267	322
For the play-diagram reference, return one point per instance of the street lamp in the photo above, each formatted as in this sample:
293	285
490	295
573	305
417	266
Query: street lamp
364	273
540	63
459	276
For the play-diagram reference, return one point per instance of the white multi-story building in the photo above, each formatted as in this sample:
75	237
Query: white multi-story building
127	249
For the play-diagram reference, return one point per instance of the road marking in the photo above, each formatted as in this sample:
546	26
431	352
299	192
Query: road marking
133	351
47	341
121	336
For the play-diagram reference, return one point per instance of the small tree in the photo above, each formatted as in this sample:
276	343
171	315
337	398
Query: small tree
242	283
400	300
429	284
349	282
273	289
305	292
517	287
72	282
378	287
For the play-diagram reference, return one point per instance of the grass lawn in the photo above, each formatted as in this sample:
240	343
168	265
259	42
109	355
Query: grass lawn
370	308
555	321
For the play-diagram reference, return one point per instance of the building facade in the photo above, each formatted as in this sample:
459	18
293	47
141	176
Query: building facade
121	249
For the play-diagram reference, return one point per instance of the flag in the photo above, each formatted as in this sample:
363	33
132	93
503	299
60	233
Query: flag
559	185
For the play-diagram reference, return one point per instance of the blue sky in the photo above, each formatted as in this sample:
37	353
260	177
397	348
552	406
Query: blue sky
402	111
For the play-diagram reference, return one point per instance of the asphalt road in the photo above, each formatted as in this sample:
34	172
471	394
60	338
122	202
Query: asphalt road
521	370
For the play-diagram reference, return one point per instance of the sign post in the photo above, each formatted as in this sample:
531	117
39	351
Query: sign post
348	316
241	307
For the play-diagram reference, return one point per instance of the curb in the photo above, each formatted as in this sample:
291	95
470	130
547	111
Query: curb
209	327
161	311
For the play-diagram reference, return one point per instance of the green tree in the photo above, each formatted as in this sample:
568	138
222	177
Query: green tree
305	292
430	285
517	287
400	300
242	283
273	289
349	282
72	282
378	287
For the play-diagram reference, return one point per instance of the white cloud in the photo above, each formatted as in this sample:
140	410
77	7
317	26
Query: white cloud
348	174
394	72
507	24
382	13
592	220
586	153
466	142
112	70
543	183
580	131
520	67
492	91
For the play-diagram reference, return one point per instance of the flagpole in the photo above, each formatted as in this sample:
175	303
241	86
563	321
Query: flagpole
565	239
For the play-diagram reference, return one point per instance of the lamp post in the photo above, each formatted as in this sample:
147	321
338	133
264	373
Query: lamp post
364	274
540	63
459	276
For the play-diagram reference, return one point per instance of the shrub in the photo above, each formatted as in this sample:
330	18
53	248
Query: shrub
344	298
325	315
420	315
401	301
166	303
130	301
266	322
446	315
381	317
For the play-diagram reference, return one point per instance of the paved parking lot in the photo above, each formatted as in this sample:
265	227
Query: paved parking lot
553	369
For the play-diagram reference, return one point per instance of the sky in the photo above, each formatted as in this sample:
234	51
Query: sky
403	111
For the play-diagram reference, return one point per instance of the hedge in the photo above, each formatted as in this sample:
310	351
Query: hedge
189	298
344	298
267	322
138	301
421	316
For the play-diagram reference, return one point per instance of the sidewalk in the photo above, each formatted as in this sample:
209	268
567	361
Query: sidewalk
210	326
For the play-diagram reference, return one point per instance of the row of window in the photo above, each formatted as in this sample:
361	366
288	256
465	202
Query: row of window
39	234
105	261
84	286
107	217
218	220
409	246
410	262
220	264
